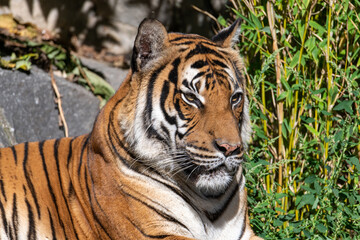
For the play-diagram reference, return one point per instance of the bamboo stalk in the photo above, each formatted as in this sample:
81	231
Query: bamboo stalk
264	110
280	108
329	84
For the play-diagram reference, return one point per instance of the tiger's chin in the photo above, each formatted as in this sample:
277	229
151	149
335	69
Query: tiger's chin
212	183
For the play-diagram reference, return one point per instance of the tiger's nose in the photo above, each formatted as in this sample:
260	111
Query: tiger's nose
228	149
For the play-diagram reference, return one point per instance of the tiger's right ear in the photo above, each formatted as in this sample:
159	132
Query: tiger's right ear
150	41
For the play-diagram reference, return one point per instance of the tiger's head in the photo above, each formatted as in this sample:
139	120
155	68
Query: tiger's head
187	110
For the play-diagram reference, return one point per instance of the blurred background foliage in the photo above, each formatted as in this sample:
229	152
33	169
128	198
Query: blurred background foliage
302	67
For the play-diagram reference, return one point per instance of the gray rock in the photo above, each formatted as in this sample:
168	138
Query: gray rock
28	111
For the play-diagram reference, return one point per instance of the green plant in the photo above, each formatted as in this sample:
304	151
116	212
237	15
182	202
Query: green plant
303	166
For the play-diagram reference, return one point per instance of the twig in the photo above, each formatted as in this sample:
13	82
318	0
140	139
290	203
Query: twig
207	14
58	100
83	74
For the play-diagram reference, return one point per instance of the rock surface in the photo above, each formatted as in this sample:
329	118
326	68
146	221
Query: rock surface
28	111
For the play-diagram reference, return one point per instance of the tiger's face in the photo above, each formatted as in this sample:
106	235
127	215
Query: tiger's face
211	99
191	117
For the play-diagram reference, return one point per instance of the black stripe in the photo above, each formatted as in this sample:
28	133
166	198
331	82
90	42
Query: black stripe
185	83
52	225
189	129
243	226
167	133
193	42
65	200
112	127
197	147
163	97
214	216
32	231
53	197
2	188
28	179
218	74
3	217
201	49
173	75
178	109
91	204
129	152
238	75
199	64
14	154
70	153
178	192
151	132
82	153
160	213
144	234
15	218
199	74
184	43
219	63
191	37
204	156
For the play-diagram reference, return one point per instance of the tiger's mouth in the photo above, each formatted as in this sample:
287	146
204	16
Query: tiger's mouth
211	180
194	170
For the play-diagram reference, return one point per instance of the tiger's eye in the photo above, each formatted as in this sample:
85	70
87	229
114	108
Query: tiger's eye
236	98
190	97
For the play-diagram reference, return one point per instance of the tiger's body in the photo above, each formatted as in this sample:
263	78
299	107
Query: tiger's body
163	160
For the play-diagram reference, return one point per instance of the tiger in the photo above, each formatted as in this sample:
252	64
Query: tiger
163	160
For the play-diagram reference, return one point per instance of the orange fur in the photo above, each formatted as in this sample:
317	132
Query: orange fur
100	185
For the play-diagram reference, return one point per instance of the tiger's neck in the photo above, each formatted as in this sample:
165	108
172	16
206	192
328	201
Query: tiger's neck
117	185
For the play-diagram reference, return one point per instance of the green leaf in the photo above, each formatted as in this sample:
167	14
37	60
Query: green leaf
295	60
306	199
23	64
280	210
345	105
256	21
321	30
310	179
354	161
296	171
6	64
321	228
301	29
53	54
314	206
285	83
326	113
61	56
312	130
101	87
281	96
222	21
280	195
264	162
277	223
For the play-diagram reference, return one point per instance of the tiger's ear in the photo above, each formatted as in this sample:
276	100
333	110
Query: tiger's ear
228	36
150	41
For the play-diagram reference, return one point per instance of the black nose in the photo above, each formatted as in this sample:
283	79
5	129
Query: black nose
227	149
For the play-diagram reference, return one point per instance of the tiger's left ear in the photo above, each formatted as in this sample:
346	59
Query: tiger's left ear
228	36
150	41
